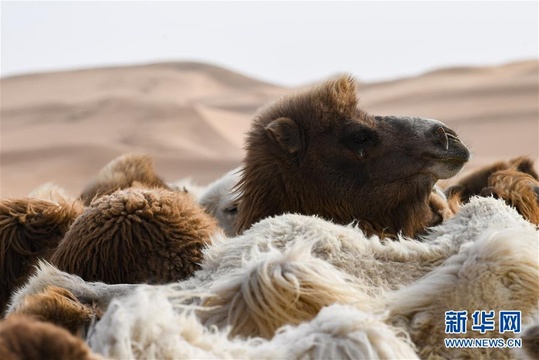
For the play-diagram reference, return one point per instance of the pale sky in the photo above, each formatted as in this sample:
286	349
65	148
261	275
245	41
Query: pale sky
284	43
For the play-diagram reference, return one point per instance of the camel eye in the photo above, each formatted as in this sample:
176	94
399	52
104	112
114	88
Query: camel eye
360	139
232	210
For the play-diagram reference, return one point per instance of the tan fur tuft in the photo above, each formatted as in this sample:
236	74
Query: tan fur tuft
60	307
121	173
276	290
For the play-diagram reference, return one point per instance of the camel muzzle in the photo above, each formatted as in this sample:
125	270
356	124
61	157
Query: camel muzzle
453	148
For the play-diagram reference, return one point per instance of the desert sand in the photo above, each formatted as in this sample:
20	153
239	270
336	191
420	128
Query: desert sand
62	127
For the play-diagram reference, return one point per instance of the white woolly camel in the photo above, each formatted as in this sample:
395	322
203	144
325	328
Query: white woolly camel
218	198
221	201
377	263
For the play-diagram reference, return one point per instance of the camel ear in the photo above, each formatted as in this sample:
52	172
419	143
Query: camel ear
285	132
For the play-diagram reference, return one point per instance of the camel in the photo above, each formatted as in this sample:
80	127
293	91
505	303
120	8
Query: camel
315	152
515	181
30	229
137	235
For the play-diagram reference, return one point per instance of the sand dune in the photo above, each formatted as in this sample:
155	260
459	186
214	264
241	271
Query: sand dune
191	117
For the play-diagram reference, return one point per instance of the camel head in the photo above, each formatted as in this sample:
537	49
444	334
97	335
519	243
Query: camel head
316	153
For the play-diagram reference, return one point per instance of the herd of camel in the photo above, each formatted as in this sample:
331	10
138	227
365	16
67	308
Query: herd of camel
347	203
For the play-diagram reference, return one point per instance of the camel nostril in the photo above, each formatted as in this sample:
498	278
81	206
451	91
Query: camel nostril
442	137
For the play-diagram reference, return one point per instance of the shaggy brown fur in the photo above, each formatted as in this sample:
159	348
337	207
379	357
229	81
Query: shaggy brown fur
137	235
316	152
24	338
61	307
454	198
518	189
123	172
514	181
475	182
442	209
30	228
